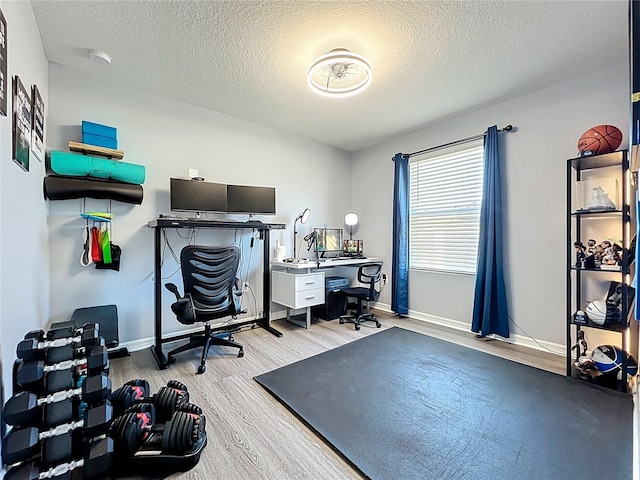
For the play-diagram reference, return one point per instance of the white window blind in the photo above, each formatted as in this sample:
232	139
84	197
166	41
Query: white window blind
445	201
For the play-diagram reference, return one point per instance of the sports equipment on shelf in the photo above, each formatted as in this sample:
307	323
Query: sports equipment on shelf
65	188
608	359
597	311
73	164
599	139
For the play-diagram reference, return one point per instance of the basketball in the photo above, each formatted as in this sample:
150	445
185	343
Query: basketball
608	359
597	311
600	139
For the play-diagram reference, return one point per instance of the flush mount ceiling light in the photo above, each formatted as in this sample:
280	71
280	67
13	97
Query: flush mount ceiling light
339	73
101	57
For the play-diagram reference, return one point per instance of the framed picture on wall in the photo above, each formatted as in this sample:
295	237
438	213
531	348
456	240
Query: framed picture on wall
3	65
37	124
21	124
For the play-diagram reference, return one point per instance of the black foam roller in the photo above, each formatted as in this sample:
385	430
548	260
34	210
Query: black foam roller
65	188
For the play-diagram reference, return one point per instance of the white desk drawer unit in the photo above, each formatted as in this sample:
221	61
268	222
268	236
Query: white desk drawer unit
297	290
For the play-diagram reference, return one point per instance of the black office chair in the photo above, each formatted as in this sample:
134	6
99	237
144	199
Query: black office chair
368	274
211	291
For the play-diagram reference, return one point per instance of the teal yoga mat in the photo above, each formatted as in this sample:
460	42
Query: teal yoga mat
77	165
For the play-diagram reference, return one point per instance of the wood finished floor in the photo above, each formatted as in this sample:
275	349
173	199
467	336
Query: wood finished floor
250	434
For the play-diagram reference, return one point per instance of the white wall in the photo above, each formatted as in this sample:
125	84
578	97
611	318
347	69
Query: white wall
548	124
24	251
169	137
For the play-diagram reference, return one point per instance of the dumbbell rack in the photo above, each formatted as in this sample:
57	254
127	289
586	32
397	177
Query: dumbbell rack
59	413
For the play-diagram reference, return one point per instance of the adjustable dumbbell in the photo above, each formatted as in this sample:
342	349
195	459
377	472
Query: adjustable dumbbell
62	376
59	350
25	409
166	401
59	443
137	428
97	461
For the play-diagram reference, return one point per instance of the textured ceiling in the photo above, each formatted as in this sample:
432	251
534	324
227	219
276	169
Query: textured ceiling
249	59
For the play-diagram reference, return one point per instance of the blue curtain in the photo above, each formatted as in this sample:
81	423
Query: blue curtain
490	301
636	255
400	264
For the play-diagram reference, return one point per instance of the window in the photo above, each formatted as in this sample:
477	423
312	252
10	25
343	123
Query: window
444	211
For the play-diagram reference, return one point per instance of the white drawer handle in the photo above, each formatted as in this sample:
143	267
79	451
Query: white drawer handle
309	297
310	283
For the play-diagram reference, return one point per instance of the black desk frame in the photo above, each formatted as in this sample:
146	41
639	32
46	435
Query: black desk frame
163	223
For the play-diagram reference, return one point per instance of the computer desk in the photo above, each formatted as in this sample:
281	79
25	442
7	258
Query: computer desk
163	223
300	284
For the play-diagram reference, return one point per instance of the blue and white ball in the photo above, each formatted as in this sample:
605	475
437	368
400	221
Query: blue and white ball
597	311
608	359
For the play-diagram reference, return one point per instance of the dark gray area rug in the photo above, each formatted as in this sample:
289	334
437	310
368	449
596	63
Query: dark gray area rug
402	405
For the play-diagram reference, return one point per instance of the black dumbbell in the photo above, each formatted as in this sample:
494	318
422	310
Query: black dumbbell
63	375
74	331
25	409
59	350
57	444
168	399
97	461
63	332
137	428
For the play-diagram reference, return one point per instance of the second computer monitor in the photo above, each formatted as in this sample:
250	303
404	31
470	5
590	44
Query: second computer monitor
328	240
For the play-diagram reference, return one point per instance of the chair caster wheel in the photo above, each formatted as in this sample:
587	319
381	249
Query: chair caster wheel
241	353
357	327
201	369
172	360
341	321
378	324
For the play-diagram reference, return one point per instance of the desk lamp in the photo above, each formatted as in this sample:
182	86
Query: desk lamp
303	217
351	219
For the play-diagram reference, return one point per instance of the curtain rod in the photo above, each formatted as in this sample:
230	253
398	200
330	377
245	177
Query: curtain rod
508	128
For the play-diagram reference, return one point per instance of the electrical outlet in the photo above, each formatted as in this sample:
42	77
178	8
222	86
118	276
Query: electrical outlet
384	278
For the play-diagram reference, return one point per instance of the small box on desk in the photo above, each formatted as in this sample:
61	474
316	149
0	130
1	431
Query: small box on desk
333	284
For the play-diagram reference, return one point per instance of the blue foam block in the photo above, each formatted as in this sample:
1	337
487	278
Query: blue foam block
98	129
99	141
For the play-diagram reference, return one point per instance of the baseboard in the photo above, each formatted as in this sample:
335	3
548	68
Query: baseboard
516	339
142	343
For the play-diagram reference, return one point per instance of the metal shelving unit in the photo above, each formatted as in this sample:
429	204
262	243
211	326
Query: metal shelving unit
577	220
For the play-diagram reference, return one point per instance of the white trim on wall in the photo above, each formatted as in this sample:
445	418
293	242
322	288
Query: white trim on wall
541	345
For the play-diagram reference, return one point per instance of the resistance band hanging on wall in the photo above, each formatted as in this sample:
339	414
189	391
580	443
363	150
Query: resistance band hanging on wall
98	247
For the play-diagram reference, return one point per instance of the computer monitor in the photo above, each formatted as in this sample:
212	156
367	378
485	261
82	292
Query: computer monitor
251	200
197	196
353	248
328	240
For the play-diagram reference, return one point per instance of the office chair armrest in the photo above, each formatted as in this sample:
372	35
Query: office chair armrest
184	309
237	287
173	289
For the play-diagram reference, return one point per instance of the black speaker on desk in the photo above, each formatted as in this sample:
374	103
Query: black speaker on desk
335	304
